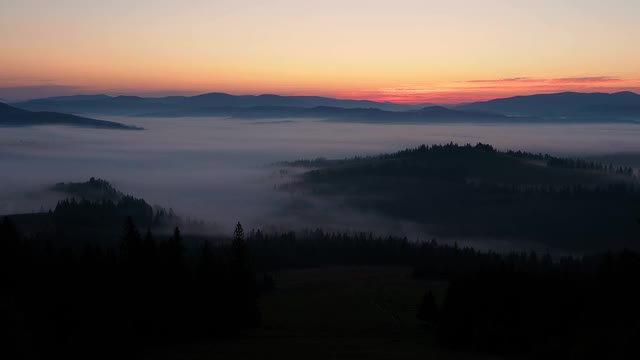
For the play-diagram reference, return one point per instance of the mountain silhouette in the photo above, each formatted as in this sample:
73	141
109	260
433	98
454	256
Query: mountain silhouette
559	107
563	104
11	116
135	105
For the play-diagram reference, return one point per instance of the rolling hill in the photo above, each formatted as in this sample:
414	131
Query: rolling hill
478	191
135	105
571	104
11	116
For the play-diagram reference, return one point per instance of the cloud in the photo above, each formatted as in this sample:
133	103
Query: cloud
453	92
587	79
570	80
514	79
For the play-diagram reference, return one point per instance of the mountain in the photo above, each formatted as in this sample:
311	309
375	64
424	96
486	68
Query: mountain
330	113
566	104
11	116
135	105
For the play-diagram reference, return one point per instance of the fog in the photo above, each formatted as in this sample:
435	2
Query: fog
216	169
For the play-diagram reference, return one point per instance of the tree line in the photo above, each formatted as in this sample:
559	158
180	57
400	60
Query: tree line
515	304
106	302
585	308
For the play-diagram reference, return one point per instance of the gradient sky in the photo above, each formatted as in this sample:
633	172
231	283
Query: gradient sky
405	51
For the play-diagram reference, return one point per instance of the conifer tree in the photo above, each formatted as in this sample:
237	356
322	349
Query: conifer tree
239	245
428	310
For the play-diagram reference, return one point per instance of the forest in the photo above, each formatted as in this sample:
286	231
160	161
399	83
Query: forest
152	291
106	302
105	274
478	191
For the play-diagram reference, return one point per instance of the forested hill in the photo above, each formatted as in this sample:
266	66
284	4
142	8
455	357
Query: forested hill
477	191
94	190
93	212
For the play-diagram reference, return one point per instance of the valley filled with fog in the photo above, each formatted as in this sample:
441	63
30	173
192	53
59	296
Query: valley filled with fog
217	170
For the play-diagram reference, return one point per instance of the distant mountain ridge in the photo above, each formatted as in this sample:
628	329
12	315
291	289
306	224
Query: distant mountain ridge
563	104
135	105
558	107
12	116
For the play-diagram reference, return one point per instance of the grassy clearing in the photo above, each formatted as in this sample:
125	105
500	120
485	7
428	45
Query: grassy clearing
333	313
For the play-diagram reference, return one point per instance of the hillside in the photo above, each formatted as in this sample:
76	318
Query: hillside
564	104
135	105
93	212
12	116
477	191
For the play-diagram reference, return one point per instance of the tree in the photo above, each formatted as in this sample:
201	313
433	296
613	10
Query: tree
428	310
130	241
176	249
149	243
205	262
8	230
239	245
9	251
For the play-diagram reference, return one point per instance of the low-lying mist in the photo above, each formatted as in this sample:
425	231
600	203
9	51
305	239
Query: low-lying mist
217	170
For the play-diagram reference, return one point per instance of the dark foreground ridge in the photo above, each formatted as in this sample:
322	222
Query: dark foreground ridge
269	293
346	293
14	117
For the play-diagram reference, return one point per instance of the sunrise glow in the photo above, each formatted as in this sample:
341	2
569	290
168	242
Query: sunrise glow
403	51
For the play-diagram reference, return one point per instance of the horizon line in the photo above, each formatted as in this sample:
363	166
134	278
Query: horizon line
142	96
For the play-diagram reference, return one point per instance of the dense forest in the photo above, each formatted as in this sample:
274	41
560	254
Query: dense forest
149	292
522	304
93	212
114	301
100	276
478	191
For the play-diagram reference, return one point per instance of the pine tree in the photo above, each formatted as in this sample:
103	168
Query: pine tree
205	261
176	248
428	310
149	243
239	245
130	241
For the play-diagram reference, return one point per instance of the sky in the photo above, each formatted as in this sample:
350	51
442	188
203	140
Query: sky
403	51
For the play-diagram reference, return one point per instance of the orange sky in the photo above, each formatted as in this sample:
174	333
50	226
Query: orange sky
404	51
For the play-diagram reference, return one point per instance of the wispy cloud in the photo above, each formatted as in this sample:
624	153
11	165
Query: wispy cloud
588	79
564	80
505	80
484	89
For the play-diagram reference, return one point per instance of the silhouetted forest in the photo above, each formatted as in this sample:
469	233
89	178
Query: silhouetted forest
149	291
479	191
521	304
92	278
583	308
108	302
92	190
94	212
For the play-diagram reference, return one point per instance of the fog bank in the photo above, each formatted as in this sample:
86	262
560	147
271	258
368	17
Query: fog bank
215	169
